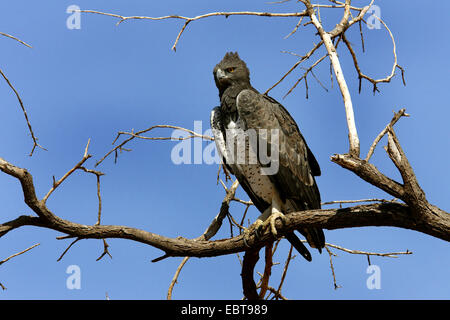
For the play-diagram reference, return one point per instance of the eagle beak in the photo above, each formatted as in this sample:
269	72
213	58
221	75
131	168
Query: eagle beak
220	74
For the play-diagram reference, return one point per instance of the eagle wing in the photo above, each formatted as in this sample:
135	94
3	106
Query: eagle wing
297	165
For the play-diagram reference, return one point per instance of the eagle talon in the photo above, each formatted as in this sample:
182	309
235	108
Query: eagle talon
255	227
272	222
247	232
245	242
258	233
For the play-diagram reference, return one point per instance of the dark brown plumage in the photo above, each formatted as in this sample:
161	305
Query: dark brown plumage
242	107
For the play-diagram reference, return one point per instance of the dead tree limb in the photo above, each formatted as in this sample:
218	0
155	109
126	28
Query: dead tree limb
435	221
25	114
187	20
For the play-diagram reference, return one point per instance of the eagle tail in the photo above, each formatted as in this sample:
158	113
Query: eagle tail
315	237
298	245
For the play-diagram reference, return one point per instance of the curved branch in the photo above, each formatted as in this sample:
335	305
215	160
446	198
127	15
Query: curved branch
189	19
25	114
251	257
207	15
14	38
397	116
139	135
380	214
361	75
18	253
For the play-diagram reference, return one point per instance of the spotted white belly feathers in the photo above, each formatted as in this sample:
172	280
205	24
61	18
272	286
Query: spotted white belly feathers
261	185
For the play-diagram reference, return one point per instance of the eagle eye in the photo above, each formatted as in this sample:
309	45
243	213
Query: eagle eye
231	70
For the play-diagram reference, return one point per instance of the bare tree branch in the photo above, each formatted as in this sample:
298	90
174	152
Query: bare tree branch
105	251
358	69
268	254
190	19
331	254
283	276
327	40
251	257
305	57
140	136
15	255
210	231
98	174
416	213
304	77
356	201
18	253
14	38
384	214
175	277
68	173
397	116
295	28
68	248
352	251
35	139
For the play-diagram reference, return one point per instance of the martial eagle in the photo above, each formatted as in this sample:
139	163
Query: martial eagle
290	186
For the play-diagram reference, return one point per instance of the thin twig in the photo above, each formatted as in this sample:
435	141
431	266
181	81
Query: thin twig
77	166
397	116
98	174
67	249
283	276
276	294
208	233
356	201
174	47
234	222
304	77
317	79
310	69
24	111
105	251
211	14
278	2
190	19
243	216
175	277
18	253
352	251
362	37
303	58
139	135
268	253
15	255
295	28
247	203
336	286
361	75
14	38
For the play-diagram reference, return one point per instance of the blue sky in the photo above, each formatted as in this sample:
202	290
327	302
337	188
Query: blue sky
102	78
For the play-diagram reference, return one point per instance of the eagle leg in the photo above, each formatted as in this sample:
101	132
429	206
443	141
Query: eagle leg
272	222
266	219
269	217
275	213
258	226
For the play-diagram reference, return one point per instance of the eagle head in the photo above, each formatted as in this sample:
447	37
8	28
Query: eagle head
230	71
